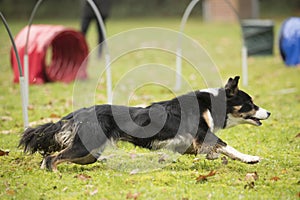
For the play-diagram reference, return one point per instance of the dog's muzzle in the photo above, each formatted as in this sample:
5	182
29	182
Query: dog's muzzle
261	114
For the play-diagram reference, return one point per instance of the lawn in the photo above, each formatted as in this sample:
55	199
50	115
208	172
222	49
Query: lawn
127	172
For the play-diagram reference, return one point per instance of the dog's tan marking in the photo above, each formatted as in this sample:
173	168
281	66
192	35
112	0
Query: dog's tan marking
209	120
235	111
237	108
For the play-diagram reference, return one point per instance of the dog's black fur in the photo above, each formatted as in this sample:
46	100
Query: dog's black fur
184	124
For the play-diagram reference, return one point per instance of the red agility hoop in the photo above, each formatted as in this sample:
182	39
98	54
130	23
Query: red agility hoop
69	51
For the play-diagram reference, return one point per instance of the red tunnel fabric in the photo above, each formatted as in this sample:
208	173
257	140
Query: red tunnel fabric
68	48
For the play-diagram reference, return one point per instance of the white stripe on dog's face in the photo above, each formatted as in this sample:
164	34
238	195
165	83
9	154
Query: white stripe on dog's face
261	114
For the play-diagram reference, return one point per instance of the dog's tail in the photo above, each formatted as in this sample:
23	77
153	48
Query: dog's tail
42	138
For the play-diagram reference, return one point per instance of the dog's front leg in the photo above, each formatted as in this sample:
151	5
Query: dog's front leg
236	155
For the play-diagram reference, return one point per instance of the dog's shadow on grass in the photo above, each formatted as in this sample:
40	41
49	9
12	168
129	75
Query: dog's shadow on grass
124	165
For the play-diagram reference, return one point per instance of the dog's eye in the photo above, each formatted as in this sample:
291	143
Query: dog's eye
246	107
255	107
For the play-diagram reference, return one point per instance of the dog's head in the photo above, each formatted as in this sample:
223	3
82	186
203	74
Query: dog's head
240	106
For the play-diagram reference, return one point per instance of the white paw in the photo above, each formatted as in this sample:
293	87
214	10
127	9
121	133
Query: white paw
250	159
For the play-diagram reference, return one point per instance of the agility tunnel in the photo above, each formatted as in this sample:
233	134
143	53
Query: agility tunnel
289	41
55	53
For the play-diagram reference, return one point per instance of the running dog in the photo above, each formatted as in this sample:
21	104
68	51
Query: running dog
185	124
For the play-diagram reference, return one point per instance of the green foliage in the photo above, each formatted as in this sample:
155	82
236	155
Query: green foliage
273	86
133	8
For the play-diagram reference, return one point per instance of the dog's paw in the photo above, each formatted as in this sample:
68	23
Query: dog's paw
251	159
212	155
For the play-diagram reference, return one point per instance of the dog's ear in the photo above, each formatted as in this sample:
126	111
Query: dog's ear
231	86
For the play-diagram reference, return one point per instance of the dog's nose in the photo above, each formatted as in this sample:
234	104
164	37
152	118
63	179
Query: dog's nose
268	113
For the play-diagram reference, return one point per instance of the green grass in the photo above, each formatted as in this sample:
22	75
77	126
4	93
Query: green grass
114	178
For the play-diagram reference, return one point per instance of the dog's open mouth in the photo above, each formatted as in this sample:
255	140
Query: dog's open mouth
254	120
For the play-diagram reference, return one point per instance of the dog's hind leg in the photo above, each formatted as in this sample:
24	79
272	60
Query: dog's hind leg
76	154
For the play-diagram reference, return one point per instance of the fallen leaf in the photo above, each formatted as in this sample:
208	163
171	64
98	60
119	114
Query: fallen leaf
4	153
298	135
132	196
6	118
6	132
30	107
251	176
82	177
53	115
10	192
203	178
275	178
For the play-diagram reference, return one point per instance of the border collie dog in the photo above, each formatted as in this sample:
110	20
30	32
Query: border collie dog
185	124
